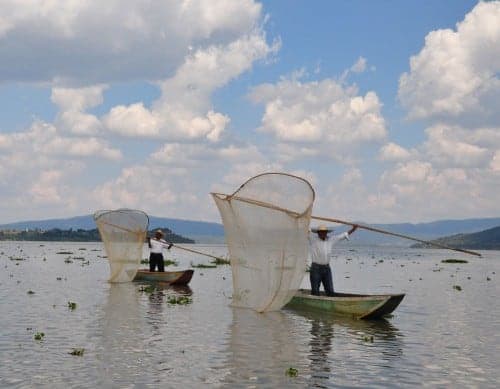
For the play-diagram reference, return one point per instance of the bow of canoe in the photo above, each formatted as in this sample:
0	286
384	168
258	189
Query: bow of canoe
360	306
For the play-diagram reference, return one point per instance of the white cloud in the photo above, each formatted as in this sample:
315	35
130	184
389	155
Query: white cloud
359	66
323	112
455	75
184	111
73	102
393	152
91	42
449	147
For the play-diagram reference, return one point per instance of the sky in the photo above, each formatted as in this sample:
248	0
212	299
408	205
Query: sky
390	109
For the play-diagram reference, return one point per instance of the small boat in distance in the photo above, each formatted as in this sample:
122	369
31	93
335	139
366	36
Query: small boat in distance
179	277
359	306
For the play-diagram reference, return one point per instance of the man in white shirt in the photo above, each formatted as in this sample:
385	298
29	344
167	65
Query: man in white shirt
156	245
320	246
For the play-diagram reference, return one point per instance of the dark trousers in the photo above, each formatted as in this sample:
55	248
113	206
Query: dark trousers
156	259
321	274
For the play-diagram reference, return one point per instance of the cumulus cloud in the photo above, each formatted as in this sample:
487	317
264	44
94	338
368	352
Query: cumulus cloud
72	103
322	112
184	109
455	75
393	152
88	43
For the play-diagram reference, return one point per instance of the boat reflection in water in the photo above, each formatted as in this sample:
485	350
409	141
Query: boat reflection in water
341	348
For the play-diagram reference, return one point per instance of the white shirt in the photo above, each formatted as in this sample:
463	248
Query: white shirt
158	245
321	249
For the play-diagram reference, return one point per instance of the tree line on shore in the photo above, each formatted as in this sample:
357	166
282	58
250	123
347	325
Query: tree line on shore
76	235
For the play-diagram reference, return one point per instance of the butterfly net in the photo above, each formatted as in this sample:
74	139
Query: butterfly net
123	232
266	223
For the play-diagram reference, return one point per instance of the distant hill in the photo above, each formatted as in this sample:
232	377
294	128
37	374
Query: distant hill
208	232
78	235
483	240
196	230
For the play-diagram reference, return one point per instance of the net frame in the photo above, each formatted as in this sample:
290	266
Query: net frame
282	291
123	242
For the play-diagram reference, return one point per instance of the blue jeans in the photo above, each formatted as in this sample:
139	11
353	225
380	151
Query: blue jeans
321	274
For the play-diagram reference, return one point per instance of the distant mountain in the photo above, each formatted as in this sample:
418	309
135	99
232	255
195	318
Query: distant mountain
196	230
208	232
483	240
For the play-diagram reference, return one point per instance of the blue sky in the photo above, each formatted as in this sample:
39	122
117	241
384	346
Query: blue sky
389	109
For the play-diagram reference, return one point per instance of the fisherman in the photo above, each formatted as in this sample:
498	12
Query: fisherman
156	245
320	246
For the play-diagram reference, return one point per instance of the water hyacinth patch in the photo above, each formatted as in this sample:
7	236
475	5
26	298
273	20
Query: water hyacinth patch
39	336
451	260
77	351
457	287
71	305
292	372
179	300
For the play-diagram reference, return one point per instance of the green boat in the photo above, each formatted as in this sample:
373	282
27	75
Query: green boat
359	306
180	277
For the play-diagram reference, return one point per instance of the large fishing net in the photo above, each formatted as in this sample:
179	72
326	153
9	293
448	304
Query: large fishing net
123	232
266	223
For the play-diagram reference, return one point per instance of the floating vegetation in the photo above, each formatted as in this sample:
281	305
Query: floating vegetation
203	266
179	300
144	261
77	351
59	278
147	289
65	252
170	262
39	336
292	372
457	287
220	261
451	260
17	259
79	258
488	279
82	248
380	260
68	260
367	338
30	292
71	305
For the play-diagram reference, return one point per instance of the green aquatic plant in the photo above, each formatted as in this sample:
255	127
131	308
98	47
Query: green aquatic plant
65	252
39	336
367	338
170	262
457	287
77	351
179	300
203	266
71	305
17	259
292	372
144	261
220	261
147	289
67	260
451	260
30	292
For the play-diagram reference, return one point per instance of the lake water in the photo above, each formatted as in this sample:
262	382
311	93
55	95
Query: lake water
438	337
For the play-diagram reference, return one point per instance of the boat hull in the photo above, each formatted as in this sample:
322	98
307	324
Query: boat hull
359	306
180	277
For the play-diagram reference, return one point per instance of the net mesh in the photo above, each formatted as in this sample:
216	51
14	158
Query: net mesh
266	222
123	232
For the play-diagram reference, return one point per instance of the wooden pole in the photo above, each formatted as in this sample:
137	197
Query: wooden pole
195	251
327	219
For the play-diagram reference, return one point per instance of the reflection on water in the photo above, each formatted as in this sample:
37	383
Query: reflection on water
261	348
438	337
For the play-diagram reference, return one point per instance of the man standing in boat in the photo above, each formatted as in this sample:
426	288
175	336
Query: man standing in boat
320	246
156	245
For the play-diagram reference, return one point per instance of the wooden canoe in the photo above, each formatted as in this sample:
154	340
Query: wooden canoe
359	306
180	277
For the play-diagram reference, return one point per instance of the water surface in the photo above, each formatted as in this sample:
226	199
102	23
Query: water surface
439	336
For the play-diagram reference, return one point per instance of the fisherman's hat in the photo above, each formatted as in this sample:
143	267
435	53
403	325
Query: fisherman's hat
322	228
